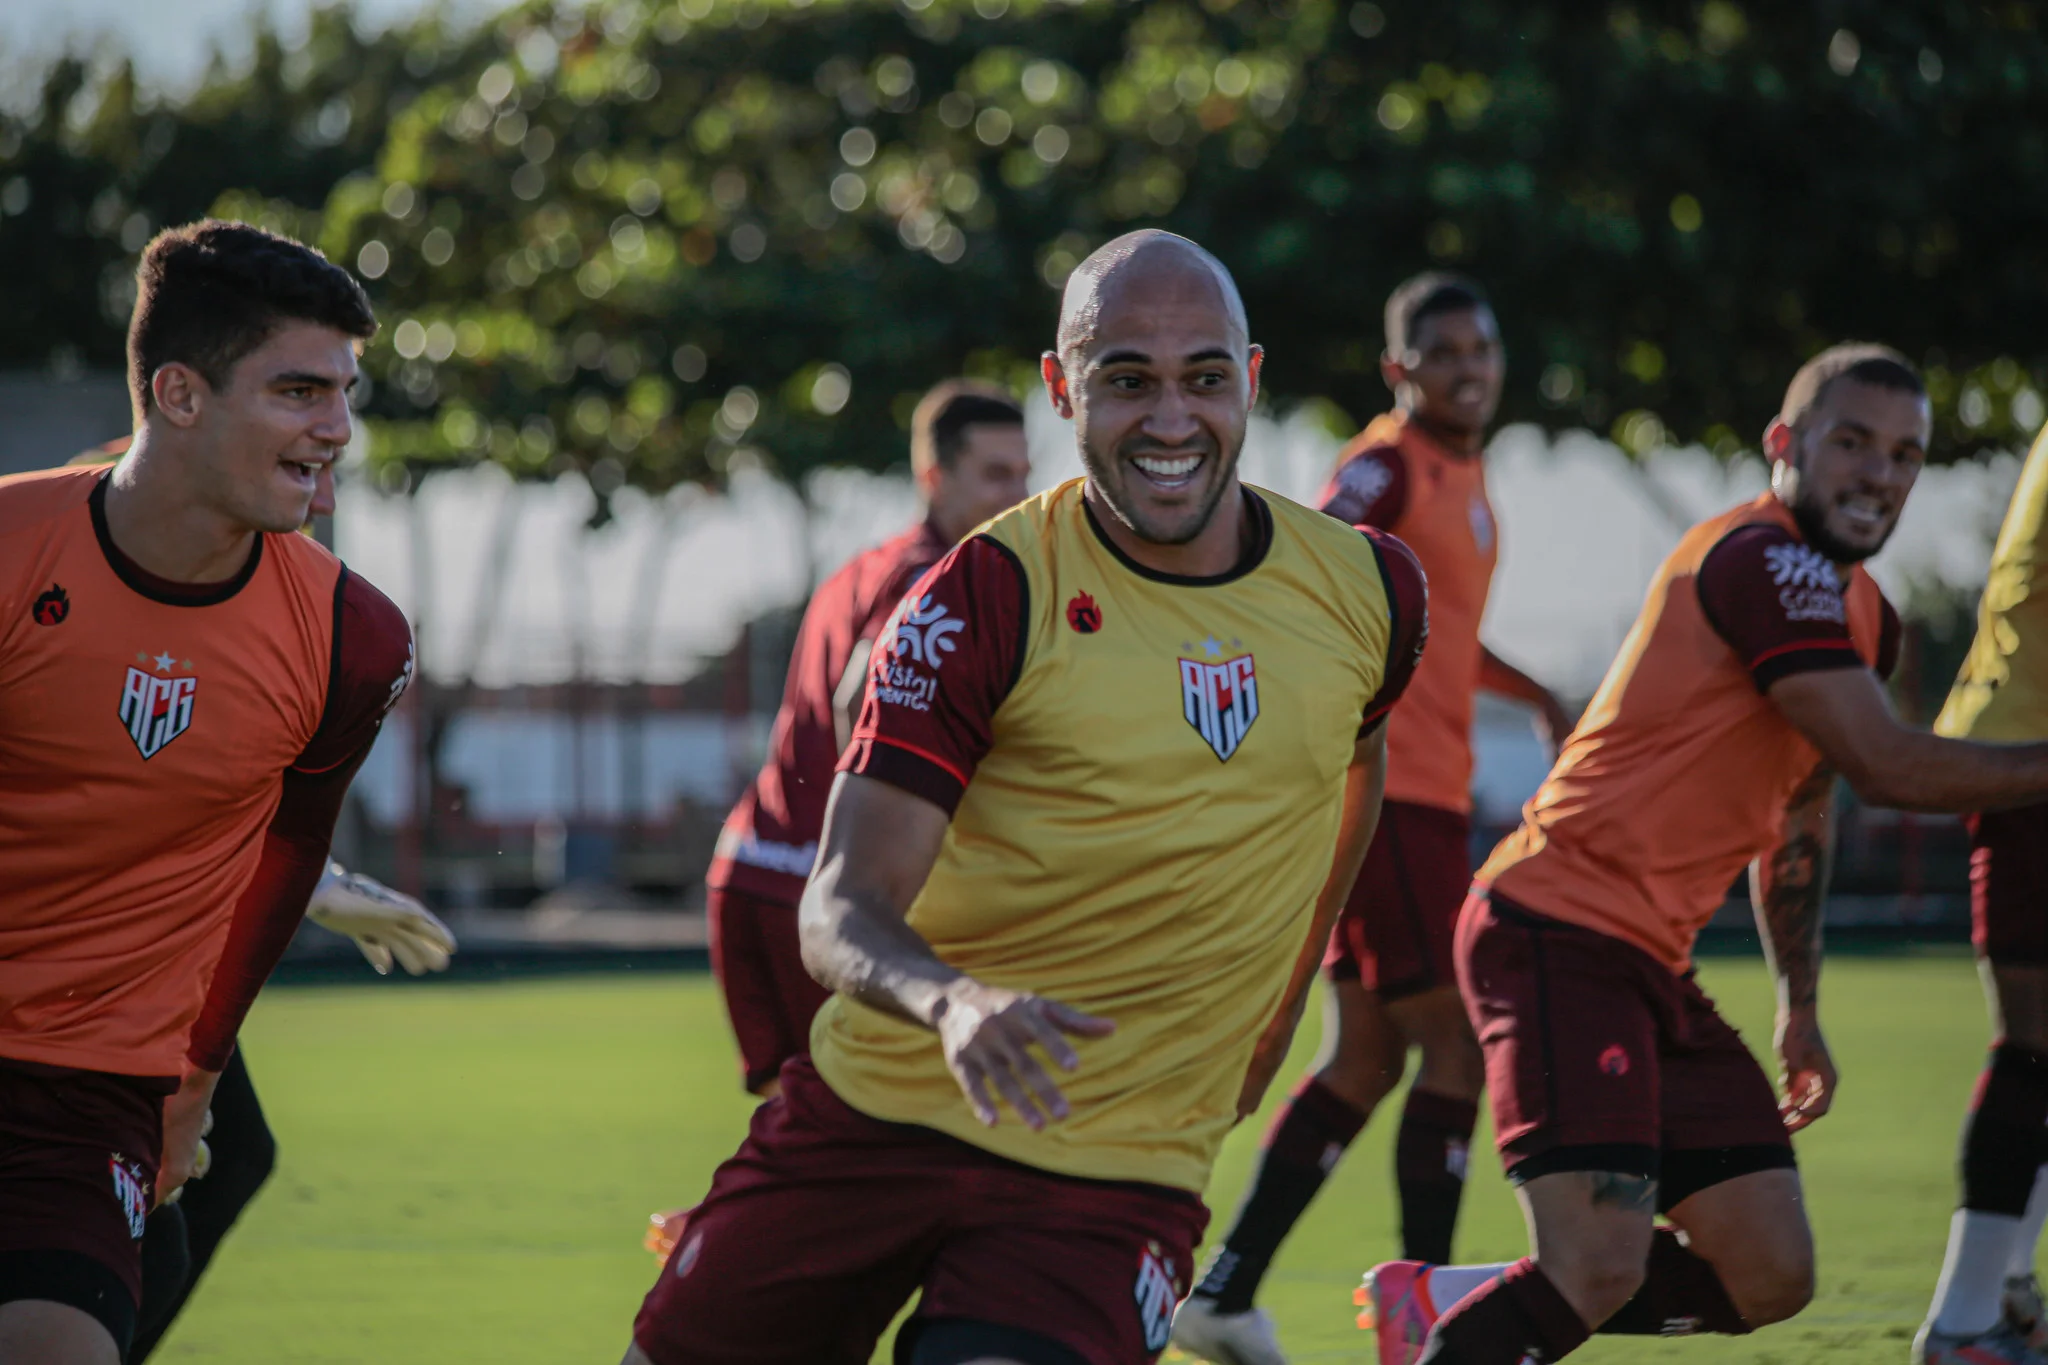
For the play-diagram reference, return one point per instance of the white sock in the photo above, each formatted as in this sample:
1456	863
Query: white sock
1968	1299
2030	1229
1449	1283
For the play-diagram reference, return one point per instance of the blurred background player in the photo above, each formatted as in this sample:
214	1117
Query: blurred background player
162	844
1418	473
1749	680
1069	776
969	458
2001	696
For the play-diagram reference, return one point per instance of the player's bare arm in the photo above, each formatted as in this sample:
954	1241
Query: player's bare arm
1363	785
1503	679
1845	714
1788	886
877	849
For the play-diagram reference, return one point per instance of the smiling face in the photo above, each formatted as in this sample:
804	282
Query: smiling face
1847	465
1452	372
1159	380
258	446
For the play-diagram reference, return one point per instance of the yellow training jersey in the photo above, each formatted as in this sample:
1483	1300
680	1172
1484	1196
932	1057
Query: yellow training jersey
2002	691
1145	774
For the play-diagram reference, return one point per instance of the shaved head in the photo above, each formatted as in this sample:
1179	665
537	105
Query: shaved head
1148	259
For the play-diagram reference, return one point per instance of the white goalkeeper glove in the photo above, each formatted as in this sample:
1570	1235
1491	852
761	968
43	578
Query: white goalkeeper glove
385	924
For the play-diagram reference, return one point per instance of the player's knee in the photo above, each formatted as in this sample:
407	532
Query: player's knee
1453	1065
1363	1072
1775	1282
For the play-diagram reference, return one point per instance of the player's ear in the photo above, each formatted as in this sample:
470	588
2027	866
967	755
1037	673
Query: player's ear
1393	371
1255	364
1055	376
179	392
1780	442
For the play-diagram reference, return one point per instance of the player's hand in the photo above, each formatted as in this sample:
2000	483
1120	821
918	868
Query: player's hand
385	924
987	1033
1809	1075
185	1122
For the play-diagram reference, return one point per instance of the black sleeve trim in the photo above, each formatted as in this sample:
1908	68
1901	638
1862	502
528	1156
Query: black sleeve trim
334	651
1812	659
1023	613
1393	633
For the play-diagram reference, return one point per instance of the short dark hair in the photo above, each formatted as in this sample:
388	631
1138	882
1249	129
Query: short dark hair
1866	362
938	429
209	293
1424	295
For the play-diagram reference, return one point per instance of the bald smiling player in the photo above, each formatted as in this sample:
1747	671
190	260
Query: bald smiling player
1112	779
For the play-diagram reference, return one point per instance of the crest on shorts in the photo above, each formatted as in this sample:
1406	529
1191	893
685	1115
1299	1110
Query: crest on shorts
1156	1291
156	701
131	1187
1219	697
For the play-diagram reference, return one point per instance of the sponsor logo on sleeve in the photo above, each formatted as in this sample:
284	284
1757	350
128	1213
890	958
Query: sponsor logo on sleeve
1808	587
922	634
1220	700
403	680
1365	478
156	702
131	1188
1156	1291
1482	523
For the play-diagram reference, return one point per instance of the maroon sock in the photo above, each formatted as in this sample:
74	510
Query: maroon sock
1429	1170
1308	1135
1517	1318
1681	1297
2006	1138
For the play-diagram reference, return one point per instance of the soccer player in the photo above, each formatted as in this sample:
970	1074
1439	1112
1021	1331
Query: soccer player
1113	776
186	688
1416	473
1749	680
968	456
1988	1298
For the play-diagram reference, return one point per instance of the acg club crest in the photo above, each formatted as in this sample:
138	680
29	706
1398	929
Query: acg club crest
156	710
1220	700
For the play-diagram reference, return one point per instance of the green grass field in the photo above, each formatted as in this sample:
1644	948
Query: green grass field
465	1172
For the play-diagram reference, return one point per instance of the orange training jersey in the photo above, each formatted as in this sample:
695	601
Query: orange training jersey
1678	775
1144	774
1395	476
145	730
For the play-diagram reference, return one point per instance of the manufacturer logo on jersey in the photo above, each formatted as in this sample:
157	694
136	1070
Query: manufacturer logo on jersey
52	607
1156	1291
131	1187
1808	588
1220	700
1083	615
157	709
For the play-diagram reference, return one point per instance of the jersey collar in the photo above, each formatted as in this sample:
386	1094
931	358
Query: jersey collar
1254	555
167	591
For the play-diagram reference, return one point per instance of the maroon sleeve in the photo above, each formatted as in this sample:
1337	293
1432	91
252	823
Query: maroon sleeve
1369	488
1408	605
1888	639
368	670
941	666
1778	603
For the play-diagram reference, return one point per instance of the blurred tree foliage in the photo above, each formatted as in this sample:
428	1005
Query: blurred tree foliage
648	237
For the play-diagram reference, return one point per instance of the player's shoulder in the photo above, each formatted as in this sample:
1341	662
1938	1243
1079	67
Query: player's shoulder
43	495
1321	534
1759	551
373	639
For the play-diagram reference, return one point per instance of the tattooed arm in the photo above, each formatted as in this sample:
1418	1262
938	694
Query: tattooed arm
1787	886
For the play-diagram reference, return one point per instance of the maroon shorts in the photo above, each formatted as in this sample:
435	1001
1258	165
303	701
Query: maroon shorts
78	1155
1395	935
826	1221
769	996
1598	1058
2009	886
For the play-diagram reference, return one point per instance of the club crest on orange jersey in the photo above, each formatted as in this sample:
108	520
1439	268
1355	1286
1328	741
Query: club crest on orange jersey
156	702
52	607
1219	699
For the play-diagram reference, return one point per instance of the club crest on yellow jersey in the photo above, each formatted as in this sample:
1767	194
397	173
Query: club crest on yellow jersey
1219	696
